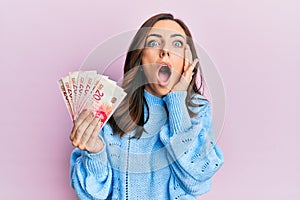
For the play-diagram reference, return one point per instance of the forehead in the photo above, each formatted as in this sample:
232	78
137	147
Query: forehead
167	27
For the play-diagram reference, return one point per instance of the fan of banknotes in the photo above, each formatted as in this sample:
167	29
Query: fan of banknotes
89	90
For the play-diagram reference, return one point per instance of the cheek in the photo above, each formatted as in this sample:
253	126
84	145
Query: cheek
149	73
149	56
178	52
178	59
178	64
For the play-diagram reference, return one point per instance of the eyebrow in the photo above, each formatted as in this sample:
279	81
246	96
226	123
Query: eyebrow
154	34
160	36
177	34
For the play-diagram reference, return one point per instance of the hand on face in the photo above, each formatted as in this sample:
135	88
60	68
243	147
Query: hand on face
167	59
85	132
187	74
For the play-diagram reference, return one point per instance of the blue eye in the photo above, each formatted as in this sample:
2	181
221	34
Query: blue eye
177	44
152	43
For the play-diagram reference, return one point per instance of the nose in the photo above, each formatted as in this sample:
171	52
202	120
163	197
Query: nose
164	52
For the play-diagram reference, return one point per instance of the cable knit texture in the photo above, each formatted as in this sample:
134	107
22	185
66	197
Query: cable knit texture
175	158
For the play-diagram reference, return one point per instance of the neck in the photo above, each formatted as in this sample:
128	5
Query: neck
159	92
153	99
157	114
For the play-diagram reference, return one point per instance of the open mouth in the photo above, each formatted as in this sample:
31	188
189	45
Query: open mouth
164	73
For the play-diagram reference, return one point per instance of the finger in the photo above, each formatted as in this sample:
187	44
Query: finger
88	132
190	55
78	121
193	65
189	73
82	128
186	61
92	141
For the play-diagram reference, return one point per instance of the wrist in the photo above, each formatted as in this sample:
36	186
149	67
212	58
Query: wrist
178	112
98	147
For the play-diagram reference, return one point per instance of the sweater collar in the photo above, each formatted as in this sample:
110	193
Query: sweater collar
152	99
157	114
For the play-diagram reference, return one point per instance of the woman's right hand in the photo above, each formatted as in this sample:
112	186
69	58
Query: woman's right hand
85	132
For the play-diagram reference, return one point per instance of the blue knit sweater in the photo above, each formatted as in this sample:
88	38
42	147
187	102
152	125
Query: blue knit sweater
175	158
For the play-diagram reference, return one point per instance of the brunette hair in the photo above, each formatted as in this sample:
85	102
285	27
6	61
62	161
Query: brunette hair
130	113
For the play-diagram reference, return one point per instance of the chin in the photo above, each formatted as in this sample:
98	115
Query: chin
158	90
164	93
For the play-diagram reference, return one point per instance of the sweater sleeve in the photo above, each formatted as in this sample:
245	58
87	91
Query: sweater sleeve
193	156
91	174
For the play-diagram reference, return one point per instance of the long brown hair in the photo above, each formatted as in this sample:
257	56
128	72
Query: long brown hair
130	113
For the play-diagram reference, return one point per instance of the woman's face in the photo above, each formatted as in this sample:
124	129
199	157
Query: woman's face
163	56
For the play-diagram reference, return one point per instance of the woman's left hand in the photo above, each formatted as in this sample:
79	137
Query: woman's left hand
187	74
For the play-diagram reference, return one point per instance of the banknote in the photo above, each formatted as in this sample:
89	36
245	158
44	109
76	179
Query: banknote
89	90
73	85
83	78
65	97
105	99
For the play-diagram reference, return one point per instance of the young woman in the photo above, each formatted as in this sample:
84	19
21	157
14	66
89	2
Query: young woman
159	144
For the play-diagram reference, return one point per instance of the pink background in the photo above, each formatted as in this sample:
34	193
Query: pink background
255	45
